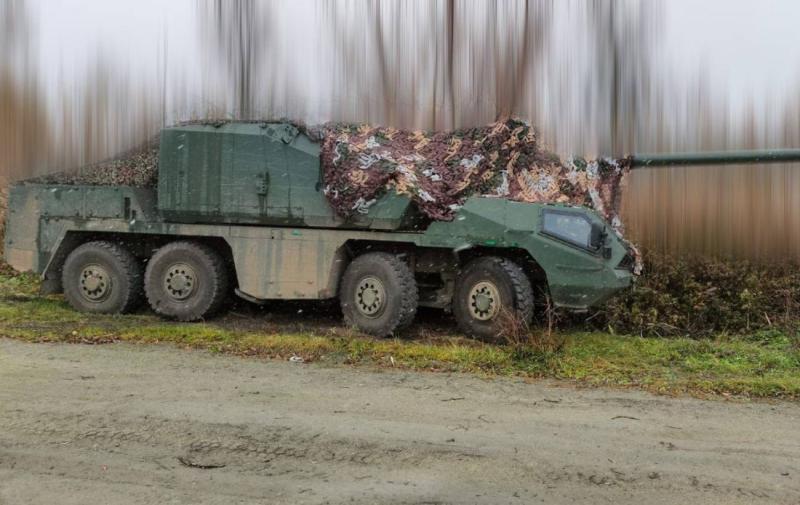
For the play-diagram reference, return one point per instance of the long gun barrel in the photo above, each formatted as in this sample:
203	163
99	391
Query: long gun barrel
715	158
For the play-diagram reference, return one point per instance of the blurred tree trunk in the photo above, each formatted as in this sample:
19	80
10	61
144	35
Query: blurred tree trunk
238	39
23	120
622	34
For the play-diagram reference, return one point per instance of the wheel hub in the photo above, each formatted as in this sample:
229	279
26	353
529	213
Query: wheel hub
484	301
370	296
95	283
180	281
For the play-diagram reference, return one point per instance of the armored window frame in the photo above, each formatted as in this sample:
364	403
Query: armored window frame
566	239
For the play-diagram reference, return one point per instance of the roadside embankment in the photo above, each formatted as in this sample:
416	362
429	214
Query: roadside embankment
761	364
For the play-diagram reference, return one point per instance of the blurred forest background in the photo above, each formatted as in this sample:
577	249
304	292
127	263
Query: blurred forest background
594	76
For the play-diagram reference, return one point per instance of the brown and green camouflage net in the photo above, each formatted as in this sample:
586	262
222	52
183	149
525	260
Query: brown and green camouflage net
441	170
137	167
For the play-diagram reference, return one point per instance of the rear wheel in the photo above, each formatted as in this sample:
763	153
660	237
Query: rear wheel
102	277
378	294
487	291
186	281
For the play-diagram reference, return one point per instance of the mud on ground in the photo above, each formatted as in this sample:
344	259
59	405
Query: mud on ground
132	425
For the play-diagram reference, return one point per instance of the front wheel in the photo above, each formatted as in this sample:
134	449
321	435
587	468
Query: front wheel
186	281
378	294
488	290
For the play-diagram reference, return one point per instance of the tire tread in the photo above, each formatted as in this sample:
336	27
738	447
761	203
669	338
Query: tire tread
131	269
408	296
523	290
220	272
519	284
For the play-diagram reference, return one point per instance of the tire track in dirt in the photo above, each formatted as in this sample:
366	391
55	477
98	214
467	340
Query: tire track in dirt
147	424
224	444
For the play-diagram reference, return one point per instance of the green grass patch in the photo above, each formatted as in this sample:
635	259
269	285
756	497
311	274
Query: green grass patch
761	364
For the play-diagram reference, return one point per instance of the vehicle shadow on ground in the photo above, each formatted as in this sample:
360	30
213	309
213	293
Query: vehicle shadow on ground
314	317
321	317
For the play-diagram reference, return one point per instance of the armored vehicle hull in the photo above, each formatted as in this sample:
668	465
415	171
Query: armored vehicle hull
48	223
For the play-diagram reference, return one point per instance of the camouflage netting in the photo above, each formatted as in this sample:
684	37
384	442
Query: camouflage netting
137	167
440	170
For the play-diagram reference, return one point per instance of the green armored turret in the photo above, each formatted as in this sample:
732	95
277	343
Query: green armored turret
249	173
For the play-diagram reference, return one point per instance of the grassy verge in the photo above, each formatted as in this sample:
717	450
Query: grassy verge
764	364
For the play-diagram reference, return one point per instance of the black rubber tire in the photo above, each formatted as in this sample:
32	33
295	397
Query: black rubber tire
401	295
513	287
122	291
210	281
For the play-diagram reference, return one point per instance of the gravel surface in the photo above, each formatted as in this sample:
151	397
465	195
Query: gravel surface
133	425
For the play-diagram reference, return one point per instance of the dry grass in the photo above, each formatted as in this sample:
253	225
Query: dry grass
525	338
761	364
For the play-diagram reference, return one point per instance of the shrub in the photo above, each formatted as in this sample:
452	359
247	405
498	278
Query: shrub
529	342
700	296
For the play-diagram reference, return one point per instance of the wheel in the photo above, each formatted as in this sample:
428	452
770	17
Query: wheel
102	277
378	294
186	281
487	290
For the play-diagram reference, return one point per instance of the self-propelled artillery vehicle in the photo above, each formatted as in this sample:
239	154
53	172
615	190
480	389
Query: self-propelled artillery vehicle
240	208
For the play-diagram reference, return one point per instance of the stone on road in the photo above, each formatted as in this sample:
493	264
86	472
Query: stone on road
129	424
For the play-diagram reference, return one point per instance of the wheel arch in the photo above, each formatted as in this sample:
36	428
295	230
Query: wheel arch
459	258
353	248
142	245
521	257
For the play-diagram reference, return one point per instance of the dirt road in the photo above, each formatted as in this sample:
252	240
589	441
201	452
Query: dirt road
131	425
